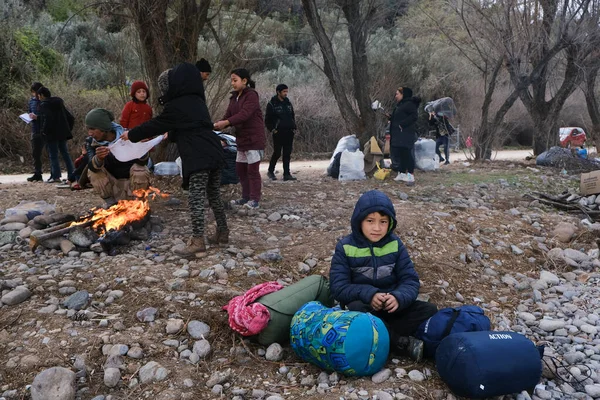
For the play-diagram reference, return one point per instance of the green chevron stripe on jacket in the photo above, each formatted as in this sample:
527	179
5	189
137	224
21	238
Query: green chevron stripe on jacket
356	252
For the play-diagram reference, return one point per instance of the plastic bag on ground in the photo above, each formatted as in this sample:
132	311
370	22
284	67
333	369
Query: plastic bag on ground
166	168
352	166
180	165
31	209
350	143
425	157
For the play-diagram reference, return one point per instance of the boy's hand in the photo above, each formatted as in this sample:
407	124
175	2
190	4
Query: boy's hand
377	301
125	135
391	303
32	116
102	152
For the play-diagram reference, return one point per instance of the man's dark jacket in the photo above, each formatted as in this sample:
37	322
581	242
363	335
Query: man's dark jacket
280	115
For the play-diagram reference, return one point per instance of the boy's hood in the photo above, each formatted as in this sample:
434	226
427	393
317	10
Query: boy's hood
370	202
185	79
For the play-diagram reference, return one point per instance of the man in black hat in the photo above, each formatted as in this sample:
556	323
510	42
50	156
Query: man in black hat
281	122
204	68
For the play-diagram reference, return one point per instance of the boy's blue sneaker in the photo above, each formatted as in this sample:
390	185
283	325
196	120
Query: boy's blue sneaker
252	204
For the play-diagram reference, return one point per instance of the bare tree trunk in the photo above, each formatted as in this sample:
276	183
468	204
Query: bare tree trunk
592	104
360	66
167	40
331	69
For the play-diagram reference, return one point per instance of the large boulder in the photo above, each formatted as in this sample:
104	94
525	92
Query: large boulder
55	383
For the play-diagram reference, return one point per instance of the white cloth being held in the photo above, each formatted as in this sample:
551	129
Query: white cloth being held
125	150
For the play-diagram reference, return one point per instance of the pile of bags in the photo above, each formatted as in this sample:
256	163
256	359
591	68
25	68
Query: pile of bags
347	162
474	361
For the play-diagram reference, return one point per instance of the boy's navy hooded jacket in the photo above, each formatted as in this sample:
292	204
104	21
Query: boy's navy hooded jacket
360	269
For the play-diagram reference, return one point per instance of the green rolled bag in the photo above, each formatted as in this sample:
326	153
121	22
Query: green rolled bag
284	303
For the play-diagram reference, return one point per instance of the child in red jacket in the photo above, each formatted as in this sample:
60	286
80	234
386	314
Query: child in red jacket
137	111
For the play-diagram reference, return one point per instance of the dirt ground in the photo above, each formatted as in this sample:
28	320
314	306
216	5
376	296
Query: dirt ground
434	221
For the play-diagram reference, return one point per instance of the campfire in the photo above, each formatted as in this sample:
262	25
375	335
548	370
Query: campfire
109	227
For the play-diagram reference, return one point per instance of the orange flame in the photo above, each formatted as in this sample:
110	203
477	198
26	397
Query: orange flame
124	212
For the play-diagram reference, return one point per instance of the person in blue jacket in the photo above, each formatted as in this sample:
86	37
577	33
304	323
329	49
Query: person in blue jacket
371	271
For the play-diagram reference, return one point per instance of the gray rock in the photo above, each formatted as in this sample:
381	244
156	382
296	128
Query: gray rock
574	357
576	255
66	246
218	377
25	232
303	268
181	273
198	329
381	395
274	217
174	326
77	300
416	375
550	325
153	372
83	237
8	237
147	314
22	218
549	278
135	352
202	348
12	226
270	255
274	352
16	296
593	390
55	383
382	376
112	376
118	350
517	251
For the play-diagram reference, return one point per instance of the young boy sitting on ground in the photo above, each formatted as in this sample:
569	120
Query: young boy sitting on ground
371	271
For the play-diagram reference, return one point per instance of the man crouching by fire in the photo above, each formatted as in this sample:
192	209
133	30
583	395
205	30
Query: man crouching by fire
112	179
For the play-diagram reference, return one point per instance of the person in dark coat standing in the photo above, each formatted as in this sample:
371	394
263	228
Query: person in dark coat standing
185	116
245	115
56	123
404	134
37	140
281	122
